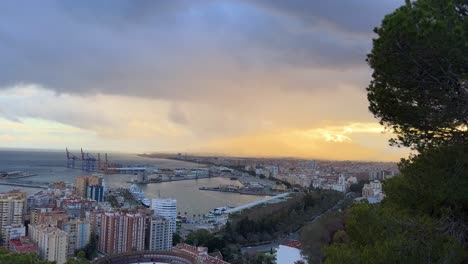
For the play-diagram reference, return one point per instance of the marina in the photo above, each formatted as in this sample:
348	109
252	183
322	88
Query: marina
49	167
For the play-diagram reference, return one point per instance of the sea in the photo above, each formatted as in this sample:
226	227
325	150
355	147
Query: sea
50	166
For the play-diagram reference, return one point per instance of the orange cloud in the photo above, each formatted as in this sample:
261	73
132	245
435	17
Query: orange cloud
334	142
7	137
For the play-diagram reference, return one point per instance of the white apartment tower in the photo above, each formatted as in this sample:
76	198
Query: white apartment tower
160	234
51	242
12	208
166	208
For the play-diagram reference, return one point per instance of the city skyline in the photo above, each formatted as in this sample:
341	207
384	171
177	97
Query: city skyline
243	78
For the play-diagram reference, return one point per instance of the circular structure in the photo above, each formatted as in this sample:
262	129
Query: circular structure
147	256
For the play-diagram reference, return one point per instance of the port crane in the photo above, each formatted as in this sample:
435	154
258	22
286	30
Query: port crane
90	162
71	159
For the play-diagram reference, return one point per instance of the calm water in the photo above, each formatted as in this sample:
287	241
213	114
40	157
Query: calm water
50	167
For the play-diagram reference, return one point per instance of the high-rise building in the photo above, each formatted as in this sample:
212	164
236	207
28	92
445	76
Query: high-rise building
49	216
160	236
76	208
79	233
166	208
94	219
313	164
95	192
51	242
82	183
12	232
120	232
12	208
40	200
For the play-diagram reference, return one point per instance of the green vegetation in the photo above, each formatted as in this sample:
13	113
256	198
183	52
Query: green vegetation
264	224
176	239
203	237
419	87
80	259
112	200
278	182
419	91
8	257
357	187
90	249
320	233
259	258
381	235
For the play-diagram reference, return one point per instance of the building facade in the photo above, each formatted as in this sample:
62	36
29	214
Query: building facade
95	192
160	235
52	243
121	232
11	232
82	183
166	208
79	234
12	208
49	216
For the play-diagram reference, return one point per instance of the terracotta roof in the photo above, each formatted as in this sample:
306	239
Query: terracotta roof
294	243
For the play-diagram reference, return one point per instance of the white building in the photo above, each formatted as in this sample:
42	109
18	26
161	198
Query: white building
51	242
12	208
160	234
376	185
288	255
11	232
351	180
273	170
340	186
166	208
373	191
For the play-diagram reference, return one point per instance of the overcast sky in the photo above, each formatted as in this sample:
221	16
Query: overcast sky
269	78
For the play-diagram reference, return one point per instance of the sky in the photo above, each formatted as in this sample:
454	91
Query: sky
233	77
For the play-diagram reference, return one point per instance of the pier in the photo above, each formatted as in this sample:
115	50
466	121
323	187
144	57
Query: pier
252	204
29	185
239	190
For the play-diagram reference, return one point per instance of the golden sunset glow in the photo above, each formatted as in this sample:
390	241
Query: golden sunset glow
172	80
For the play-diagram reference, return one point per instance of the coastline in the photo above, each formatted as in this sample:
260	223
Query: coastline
172	157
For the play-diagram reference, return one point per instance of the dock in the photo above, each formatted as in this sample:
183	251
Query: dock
237	190
29	185
252	204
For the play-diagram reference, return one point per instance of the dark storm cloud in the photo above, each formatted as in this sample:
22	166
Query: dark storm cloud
358	16
180	49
